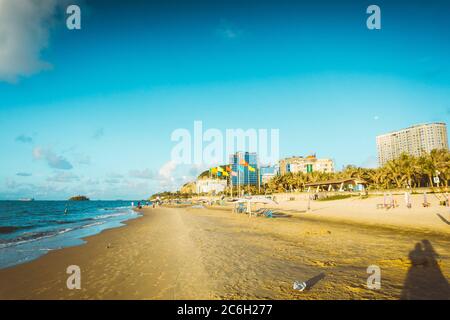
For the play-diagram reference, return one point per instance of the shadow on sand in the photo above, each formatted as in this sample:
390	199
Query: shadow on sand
425	280
443	219
312	282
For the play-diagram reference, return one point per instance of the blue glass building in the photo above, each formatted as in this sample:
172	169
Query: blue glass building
245	176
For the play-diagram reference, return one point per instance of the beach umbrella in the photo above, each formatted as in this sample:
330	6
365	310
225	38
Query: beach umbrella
256	200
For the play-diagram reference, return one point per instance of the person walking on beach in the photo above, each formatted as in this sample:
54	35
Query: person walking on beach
391	201
408	199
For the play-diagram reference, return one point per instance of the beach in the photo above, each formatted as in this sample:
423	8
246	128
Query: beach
211	253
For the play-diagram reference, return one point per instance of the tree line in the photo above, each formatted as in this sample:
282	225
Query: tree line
406	171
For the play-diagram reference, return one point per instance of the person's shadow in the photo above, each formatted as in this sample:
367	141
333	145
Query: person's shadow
424	280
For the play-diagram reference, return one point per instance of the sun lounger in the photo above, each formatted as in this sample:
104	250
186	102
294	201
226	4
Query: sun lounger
259	211
240	208
268	213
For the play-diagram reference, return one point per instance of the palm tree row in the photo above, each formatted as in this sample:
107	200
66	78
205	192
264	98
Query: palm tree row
403	172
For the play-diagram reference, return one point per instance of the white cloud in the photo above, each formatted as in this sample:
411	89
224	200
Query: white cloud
143	174
63	177
24	174
53	160
370	162
82	158
98	133
227	30
168	169
23	138
24	33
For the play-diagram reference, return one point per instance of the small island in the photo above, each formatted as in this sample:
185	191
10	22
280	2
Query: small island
79	198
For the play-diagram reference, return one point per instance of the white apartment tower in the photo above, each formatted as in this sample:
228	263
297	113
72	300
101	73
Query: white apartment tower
415	141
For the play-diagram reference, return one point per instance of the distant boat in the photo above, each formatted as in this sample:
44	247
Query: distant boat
26	199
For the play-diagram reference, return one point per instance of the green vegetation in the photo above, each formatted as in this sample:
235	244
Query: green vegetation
206	174
335	197
405	171
79	198
170	195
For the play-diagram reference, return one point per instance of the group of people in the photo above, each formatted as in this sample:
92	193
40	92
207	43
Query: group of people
142	204
389	201
444	202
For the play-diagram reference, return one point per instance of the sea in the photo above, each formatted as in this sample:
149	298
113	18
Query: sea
30	229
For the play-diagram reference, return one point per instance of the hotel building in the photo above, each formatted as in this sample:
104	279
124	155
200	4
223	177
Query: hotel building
268	172
306	165
415	141
213	186
244	176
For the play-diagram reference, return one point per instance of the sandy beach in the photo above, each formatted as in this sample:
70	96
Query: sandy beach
211	253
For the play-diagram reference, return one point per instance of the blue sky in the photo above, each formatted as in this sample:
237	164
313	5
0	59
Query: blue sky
91	111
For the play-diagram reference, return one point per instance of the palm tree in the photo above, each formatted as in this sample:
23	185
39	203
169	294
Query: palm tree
441	160
407	168
427	167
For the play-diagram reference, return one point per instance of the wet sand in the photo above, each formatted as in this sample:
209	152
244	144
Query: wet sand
186	253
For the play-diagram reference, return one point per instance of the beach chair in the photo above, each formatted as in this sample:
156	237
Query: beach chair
241	208
268	213
259	212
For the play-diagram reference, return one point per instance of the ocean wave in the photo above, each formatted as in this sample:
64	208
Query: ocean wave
11	229
111	215
36	236
27	238
33	236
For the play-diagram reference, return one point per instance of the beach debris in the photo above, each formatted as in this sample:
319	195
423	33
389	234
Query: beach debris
108	245
300	286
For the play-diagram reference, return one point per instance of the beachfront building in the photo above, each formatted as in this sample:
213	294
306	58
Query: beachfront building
210	186
306	165
268	172
340	185
244	176
415	141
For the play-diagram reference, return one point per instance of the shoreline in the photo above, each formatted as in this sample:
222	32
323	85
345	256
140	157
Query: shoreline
85	240
72	235
176	253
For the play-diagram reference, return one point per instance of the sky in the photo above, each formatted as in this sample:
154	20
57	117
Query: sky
91	111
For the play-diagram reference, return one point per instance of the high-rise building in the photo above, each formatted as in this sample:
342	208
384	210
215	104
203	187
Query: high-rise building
415	141
306	165
268	172
244	175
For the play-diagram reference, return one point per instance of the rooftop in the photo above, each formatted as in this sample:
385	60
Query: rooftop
412	127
